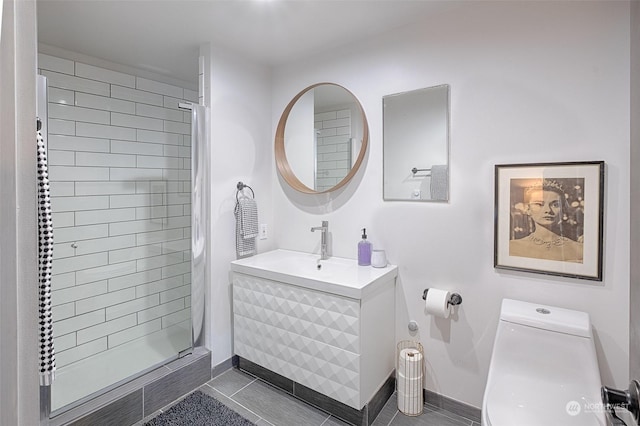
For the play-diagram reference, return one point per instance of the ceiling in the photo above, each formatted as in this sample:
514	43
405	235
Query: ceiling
163	36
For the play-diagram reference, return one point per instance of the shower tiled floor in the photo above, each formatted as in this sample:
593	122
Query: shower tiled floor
266	405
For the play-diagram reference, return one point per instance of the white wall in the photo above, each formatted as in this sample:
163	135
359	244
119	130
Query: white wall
19	398
530	82
299	140
239	95
634	359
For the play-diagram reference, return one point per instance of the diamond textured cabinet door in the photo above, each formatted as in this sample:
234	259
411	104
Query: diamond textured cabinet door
339	346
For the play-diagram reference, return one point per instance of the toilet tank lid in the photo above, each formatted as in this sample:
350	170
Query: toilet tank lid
545	317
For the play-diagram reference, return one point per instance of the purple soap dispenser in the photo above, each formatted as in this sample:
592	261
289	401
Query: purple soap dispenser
364	250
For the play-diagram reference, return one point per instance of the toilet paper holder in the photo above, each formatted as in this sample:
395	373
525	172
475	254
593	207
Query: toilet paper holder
454	299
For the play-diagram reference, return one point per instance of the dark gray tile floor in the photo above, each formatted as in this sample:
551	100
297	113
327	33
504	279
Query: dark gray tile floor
266	405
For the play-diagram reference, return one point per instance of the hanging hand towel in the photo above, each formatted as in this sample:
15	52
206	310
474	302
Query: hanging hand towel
439	182
246	213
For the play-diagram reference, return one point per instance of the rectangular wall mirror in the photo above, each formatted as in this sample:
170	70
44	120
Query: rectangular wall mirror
416	145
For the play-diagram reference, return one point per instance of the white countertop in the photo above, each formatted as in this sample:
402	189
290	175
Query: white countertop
337	275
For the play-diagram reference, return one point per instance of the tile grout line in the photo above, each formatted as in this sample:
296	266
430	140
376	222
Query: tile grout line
241	405
442	411
275	388
242	388
461	419
143	394
326	420
392	418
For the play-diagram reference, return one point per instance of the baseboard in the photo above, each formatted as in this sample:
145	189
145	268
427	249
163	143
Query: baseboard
224	366
363	417
446	403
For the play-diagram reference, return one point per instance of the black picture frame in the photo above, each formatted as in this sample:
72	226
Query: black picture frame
549	218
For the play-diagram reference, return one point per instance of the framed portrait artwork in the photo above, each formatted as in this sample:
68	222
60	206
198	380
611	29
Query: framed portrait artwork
549	217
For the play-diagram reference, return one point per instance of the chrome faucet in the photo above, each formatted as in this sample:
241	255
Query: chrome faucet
323	242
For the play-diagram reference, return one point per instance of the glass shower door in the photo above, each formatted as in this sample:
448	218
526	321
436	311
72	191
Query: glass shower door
120	170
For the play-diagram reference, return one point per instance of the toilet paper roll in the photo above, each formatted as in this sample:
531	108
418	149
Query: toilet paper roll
410	404
414	392
410	363
409	387
437	303
408	401
409	396
408	371
410	378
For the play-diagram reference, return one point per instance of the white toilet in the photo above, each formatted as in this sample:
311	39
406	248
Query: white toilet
544	370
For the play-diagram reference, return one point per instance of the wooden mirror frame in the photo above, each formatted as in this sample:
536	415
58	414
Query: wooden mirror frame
284	168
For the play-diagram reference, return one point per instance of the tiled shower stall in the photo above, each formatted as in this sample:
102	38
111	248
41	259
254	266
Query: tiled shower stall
120	171
333	149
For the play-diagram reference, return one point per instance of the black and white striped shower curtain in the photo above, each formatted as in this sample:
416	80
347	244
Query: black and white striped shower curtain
45	258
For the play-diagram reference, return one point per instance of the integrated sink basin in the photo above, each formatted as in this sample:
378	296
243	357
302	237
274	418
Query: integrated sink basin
336	275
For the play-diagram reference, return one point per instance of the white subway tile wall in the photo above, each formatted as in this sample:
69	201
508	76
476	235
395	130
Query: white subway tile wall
333	148
120	170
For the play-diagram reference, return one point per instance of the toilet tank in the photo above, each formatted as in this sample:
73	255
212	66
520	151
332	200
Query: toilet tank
543	362
548	318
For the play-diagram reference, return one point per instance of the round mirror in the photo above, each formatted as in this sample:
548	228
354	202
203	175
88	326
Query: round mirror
321	139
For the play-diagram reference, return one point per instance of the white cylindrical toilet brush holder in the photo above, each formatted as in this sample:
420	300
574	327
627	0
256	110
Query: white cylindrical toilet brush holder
410	377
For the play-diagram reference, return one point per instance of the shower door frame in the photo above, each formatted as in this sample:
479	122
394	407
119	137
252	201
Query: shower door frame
199	235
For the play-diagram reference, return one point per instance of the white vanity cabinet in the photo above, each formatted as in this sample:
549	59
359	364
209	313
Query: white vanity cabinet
331	330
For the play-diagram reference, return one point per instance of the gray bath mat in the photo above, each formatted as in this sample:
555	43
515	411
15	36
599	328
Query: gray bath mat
199	409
